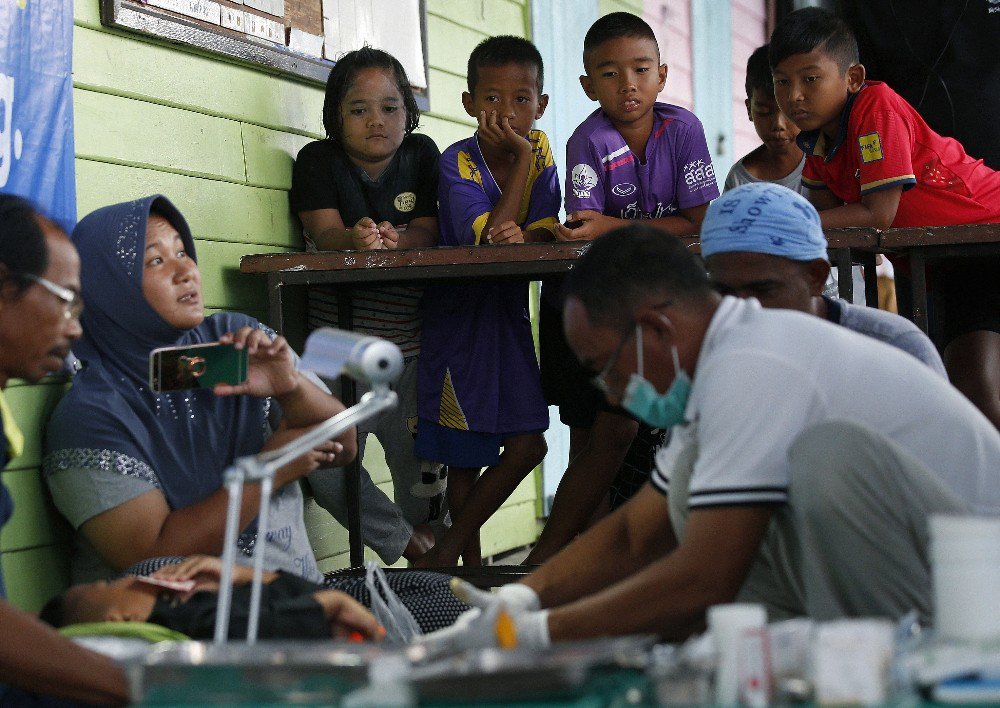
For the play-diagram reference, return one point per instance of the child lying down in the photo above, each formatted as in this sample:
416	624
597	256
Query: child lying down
183	597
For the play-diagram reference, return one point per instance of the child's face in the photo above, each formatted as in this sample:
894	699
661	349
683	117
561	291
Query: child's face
625	75
811	90
510	91
773	127
373	117
99	601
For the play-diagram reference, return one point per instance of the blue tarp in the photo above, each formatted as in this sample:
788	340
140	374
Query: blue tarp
36	105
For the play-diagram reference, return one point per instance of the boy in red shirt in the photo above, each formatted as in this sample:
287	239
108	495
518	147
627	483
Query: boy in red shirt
872	161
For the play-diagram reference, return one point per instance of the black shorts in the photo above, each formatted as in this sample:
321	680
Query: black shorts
565	383
963	295
969	294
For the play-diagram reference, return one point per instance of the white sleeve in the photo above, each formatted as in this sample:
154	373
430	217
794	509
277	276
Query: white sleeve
751	408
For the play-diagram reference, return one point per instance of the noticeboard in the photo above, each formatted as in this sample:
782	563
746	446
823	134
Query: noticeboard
300	38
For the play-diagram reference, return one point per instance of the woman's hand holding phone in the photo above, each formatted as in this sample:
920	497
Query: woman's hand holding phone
194	366
272	365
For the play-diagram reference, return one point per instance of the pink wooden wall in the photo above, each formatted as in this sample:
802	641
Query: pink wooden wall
671	21
749	23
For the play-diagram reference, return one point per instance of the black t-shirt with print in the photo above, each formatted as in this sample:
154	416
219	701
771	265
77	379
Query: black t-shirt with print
325	178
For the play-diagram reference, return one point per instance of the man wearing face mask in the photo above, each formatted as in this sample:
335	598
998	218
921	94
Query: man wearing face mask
804	463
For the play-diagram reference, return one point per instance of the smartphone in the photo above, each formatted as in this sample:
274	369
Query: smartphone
574	224
197	366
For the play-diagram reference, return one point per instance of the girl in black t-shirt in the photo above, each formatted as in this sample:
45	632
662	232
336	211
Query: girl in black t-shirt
372	184
371	175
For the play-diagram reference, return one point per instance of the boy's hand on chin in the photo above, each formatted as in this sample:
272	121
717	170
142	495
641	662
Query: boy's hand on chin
497	132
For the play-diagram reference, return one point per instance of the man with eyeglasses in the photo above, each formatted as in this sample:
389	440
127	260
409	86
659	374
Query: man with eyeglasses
39	306
786	481
72	301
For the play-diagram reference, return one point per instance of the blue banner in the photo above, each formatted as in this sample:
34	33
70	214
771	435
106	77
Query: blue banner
36	105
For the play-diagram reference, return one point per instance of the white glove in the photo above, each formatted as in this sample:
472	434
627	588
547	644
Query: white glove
516	597
481	627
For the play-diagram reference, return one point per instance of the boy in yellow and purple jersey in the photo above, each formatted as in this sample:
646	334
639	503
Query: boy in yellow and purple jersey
478	383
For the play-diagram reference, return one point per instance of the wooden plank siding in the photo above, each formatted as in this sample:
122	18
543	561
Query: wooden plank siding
35	542
219	139
671	21
749	31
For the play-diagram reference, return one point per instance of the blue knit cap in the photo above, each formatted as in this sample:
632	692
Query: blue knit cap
763	217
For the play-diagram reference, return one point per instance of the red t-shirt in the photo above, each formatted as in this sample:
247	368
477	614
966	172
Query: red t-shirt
883	142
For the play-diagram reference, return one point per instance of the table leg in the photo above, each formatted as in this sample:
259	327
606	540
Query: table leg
352	482
274	311
918	288
845	273
867	259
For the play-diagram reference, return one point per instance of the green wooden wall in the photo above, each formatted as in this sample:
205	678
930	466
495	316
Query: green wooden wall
35	541
606	7
218	138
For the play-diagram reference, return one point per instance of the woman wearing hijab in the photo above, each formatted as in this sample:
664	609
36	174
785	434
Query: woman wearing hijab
139	473
39	310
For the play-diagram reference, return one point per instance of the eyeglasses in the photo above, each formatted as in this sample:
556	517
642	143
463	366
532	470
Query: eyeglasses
72	300
601	380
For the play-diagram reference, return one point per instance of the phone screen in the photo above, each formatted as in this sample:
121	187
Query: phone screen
196	366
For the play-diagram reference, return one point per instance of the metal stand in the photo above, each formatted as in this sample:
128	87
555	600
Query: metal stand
370	358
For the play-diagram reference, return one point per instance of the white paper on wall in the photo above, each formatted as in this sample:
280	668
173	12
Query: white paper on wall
204	10
331	37
305	43
257	26
398	31
391	25
271	7
233	19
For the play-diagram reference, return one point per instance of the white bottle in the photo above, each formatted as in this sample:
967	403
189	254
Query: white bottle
387	685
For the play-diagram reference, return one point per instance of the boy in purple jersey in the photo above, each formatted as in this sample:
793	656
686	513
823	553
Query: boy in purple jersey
478	385
632	158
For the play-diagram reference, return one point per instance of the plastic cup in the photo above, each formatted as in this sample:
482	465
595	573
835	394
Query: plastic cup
728	625
965	562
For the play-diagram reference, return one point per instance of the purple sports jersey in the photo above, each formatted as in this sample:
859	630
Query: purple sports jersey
477	367
606	176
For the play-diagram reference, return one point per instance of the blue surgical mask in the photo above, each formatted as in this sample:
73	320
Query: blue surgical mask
641	399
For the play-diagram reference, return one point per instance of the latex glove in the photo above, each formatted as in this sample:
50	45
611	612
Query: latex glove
517	597
492	622
481	629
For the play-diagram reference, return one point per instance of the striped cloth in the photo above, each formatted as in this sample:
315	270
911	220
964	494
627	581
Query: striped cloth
390	312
